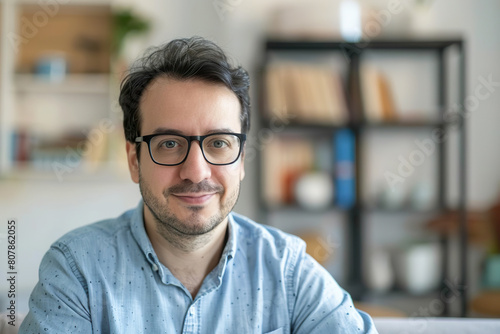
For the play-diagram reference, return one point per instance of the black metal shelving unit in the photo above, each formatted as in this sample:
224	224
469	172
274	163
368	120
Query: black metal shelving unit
353	53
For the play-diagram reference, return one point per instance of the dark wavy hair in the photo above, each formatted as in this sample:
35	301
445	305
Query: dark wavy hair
181	59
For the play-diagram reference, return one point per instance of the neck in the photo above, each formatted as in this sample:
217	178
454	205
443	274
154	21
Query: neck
190	258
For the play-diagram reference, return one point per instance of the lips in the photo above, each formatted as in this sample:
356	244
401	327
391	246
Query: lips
194	198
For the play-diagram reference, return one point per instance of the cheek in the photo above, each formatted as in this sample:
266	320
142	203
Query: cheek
158	178
230	176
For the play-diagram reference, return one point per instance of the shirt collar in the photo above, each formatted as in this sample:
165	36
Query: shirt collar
139	232
232	240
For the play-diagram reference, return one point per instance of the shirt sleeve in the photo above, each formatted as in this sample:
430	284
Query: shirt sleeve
320	305
59	302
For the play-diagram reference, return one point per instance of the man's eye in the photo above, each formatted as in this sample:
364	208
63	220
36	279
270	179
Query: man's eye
168	144
219	144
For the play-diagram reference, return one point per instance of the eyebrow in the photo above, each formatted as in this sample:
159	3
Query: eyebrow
179	132
166	130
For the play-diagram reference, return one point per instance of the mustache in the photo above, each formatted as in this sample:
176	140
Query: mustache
190	187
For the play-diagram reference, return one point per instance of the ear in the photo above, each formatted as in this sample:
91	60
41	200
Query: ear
133	162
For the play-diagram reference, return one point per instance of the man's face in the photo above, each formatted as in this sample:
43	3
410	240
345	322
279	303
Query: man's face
195	196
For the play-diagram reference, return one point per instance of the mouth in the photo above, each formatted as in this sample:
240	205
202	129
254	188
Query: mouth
194	198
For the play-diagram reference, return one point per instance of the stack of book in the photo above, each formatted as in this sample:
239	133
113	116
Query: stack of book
305	93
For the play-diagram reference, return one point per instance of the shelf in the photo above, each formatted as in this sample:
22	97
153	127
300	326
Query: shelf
412	304
402	210
325	45
71	84
328	127
402	124
366	110
36	110
73	2
317	127
110	171
293	208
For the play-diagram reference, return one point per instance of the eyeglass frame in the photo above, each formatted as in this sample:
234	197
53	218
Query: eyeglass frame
147	139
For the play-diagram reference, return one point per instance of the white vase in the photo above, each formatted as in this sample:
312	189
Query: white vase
418	268
378	273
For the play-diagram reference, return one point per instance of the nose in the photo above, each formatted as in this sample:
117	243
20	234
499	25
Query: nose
195	168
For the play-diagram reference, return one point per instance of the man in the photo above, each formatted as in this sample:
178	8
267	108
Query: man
181	262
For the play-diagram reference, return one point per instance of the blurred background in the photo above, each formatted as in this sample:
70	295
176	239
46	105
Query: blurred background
374	127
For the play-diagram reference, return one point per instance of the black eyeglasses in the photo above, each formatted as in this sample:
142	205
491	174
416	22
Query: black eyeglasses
166	149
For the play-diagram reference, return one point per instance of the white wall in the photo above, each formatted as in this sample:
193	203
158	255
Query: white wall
46	210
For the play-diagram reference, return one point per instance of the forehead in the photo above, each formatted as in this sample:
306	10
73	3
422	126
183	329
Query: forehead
193	107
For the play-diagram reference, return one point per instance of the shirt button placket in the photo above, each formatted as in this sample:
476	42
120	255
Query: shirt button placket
191	322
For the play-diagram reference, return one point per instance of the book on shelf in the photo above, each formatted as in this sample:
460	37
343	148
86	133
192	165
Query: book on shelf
47	151
69	150
305	93
283	161
345	153
20	146
275	89
376	95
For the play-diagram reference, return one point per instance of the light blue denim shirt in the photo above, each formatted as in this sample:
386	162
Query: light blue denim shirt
106	278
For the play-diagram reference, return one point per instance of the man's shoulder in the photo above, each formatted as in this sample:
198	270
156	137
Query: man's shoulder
266	236
100	232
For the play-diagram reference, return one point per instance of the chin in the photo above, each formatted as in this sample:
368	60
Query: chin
198	220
